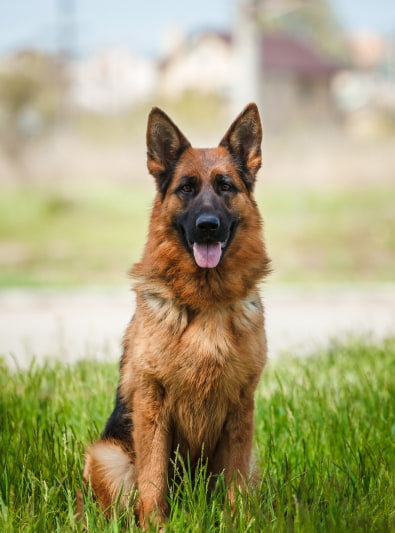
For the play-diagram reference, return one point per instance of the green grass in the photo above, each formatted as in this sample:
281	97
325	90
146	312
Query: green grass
325	439
73	237
331	234
89	235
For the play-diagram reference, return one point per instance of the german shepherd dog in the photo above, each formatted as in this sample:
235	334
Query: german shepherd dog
196	346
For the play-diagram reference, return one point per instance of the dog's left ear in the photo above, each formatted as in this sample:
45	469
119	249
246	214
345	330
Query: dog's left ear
165	144
243	140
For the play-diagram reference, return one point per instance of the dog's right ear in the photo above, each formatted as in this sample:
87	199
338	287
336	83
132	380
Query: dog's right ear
165	144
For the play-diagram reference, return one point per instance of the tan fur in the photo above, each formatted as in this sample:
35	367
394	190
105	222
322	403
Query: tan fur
110	472
196	346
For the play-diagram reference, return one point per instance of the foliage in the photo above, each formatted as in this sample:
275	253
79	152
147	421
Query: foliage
316	22
30	100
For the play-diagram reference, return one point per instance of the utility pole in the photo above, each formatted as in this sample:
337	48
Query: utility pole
65	52
248	50
65	30
249	47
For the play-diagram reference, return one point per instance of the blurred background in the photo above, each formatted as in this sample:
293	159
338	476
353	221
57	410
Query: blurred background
77	80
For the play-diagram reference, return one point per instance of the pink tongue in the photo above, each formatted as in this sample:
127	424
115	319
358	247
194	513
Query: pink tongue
207	255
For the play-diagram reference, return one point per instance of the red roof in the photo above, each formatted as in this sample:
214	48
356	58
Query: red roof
283	53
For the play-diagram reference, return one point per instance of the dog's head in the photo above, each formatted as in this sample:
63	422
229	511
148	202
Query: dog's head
203	188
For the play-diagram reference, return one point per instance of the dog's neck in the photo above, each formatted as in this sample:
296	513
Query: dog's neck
200	289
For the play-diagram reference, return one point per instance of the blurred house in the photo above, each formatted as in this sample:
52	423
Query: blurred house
365	93
202	63
297	78
368	50
110	81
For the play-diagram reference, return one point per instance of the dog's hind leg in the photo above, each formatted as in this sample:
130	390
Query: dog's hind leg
110	470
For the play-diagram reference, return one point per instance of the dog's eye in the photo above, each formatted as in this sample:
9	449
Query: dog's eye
225	186
186	188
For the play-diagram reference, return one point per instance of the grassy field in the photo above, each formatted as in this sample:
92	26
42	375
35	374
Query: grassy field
325	439
91	235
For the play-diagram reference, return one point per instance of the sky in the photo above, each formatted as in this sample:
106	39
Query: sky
141	25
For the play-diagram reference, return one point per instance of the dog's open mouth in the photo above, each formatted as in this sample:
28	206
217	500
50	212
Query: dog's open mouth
208	255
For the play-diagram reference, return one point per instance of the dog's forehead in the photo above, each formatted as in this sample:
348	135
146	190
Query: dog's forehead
204	162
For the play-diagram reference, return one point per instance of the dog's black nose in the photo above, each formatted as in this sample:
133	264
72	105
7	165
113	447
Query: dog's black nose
207	223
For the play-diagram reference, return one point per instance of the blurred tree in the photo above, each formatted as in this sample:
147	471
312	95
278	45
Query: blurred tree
311	20
30	97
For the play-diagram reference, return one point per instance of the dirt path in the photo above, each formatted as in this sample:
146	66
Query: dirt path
73	324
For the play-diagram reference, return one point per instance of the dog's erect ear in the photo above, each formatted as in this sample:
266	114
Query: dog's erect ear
165	144
243	140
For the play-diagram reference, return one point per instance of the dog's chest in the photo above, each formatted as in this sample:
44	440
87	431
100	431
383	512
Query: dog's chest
208	366
199	401
200	349
203	362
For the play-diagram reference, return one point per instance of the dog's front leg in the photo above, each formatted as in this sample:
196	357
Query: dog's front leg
233	454
152	443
